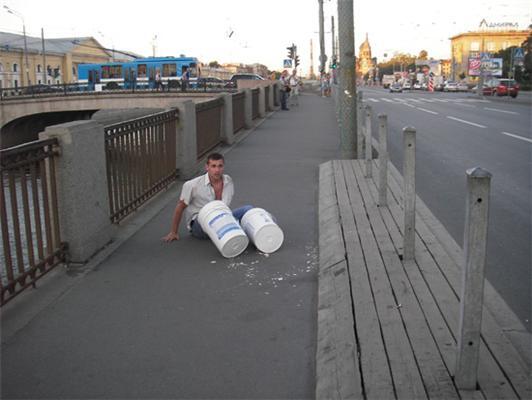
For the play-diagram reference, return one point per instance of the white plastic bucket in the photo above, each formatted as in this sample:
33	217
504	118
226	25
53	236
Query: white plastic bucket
262	230
217	221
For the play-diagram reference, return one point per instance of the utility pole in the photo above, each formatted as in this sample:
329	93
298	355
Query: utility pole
17	14
312	76
44	70
333	52
323	57
347	89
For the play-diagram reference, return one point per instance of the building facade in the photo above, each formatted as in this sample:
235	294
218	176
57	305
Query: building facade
489	38
55	65
364	62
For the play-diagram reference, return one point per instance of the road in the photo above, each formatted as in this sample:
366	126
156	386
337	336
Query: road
457	131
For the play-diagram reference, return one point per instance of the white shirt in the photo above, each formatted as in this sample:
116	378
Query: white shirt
198	191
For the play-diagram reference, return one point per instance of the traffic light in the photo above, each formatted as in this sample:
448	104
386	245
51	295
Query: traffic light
291	52
333	63
296	60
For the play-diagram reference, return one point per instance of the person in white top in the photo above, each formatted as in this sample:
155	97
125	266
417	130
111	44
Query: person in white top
294	85
197	192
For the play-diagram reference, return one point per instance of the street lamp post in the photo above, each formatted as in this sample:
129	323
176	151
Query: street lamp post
16	14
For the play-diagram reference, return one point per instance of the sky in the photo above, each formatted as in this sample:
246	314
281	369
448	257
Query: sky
250	31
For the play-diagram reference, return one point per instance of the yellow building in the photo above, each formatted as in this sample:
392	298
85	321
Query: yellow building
490	38
364	63
58	65
446	69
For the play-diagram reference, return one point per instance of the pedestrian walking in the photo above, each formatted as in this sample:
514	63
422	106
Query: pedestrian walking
197	192
294	83
285	89
184	79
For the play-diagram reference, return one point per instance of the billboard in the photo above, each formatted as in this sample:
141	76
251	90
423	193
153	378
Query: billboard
490	66
427	66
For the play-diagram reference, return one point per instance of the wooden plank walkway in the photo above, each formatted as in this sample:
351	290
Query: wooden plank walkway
387	328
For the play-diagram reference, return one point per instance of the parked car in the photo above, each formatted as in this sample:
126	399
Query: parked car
450	87
210	82
407	85
417	86
396	87
247	76
507	87
462	87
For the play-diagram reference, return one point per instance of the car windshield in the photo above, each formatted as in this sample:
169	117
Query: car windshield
507	83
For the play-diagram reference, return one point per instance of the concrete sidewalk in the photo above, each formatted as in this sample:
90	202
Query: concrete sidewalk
157	320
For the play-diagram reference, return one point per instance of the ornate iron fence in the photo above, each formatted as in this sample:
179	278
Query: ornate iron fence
238	111
141	160
31	241
208	125
254	103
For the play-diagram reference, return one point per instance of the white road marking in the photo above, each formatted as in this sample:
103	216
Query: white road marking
466	122
388	100
428	111
517	136
373	100
442	101
501	111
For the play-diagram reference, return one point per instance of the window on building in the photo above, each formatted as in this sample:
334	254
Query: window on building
39	68
169	70
475	46
15	67
142	71
1	68
490	46
15	84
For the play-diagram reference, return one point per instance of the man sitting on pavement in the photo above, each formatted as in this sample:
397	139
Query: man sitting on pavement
197	192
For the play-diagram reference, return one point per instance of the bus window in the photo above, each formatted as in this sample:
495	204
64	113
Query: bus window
169	70
105	72
115	71
142	71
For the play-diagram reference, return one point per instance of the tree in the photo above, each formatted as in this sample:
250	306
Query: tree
214	64
423	55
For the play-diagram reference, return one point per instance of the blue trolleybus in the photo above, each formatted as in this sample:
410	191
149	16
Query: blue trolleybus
139	73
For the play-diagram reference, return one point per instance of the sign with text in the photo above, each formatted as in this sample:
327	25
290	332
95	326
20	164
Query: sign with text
489	67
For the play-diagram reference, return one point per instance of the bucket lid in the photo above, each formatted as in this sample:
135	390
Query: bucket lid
269	238
234	246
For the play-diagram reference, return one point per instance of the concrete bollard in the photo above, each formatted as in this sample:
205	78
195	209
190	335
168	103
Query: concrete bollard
383	159
369	155
187	140
409	193
227	120
262	102
360	124
472	294
270	98
82	193
248	109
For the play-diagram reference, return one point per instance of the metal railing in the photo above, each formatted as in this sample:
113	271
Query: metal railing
70	89
239	120
31	241
141	160
254	103
208	126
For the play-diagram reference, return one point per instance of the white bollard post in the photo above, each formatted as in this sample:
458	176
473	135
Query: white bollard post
409	192
383	159
262	102
472	294
368	142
